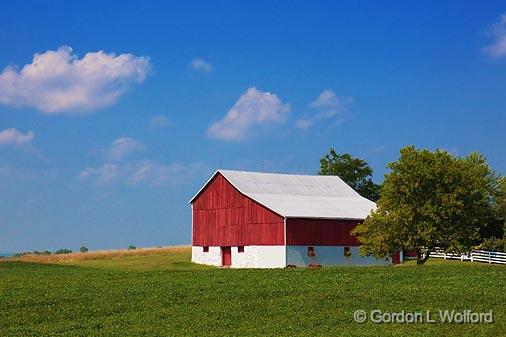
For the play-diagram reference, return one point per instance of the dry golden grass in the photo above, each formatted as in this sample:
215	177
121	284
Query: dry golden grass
100	254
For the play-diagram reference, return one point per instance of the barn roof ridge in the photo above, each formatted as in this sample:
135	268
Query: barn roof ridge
280	173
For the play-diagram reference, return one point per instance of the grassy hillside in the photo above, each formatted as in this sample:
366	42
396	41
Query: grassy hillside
157	295
174	261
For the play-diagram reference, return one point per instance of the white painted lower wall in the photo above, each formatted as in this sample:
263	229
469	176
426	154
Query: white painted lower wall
330	256
271	256
281	256
252	257
246	259
211	258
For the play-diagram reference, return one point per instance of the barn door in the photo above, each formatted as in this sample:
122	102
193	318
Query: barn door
226	256
396	258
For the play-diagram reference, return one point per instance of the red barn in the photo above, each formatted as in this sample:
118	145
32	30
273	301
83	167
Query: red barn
267	220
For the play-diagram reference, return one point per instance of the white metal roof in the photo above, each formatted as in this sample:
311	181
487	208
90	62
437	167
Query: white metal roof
303	196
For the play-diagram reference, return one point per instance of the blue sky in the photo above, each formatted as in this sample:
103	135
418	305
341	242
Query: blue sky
126	110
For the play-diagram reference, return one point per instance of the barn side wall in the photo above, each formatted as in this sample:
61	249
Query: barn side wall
330	256
328	239
222	216
320	232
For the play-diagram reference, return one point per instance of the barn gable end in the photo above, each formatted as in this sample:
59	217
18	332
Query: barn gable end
222	216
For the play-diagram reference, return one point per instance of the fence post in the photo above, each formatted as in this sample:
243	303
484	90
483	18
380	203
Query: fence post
444	255
472	256
489	260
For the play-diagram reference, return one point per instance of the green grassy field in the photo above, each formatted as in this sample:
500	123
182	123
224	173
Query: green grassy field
166	295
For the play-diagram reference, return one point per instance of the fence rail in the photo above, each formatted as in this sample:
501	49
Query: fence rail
473	256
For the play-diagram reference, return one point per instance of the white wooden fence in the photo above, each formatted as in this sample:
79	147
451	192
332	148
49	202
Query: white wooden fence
473	256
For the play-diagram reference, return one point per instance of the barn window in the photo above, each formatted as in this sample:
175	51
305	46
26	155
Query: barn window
205	249
347	251
240	249
310	252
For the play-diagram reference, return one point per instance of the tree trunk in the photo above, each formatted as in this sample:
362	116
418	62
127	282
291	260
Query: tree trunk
421	259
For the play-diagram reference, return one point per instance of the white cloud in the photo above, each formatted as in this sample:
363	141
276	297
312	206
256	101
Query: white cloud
327	105
199	64
58	82
254	108
327	98
122	147
116	170
143	172
14	137
159	122
153	173
102	175
303	123
498	47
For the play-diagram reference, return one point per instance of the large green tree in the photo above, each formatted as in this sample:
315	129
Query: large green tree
502	207
354	171
495	226
428	200
502	200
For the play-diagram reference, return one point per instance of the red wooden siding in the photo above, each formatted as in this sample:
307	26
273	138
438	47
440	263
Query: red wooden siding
222	216
323	232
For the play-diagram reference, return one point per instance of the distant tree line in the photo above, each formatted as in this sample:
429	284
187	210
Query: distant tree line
44	252
83	249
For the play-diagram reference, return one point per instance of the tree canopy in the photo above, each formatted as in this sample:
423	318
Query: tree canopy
428	200
354	171
501	204
502	200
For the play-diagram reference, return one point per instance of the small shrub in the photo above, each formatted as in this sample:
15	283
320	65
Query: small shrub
63	251
131	247
492	244
34	252
83	249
